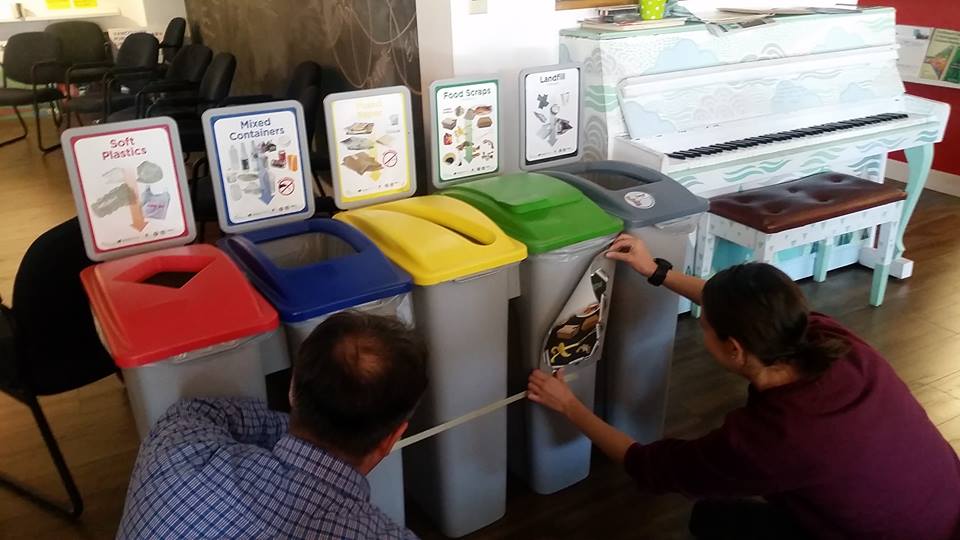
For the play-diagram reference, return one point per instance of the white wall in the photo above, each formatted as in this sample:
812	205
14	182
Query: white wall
512	35
153	14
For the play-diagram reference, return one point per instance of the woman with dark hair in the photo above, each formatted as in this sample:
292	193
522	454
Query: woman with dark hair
830	437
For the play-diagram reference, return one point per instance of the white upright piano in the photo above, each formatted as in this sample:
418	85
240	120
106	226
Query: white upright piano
721	114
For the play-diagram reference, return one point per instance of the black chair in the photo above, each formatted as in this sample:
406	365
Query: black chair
183	75
33	58
172	39
86	50
47	294
186	109
135	65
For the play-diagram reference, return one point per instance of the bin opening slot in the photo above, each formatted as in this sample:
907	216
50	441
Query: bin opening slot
305	249
611	181
173	280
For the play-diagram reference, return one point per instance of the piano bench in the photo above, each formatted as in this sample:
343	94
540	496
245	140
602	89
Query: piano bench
814	209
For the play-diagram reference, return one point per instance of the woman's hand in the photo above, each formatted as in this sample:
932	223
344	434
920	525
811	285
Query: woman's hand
551	391
634	252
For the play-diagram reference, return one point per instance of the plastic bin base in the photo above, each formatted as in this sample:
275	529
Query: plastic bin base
546	450
635	371
236	371
459	478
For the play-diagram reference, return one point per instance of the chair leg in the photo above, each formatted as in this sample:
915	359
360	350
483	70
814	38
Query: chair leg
36	113
886	245
23	127
822	262
75	507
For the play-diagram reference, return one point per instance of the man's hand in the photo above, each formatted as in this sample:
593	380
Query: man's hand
551	391
634	252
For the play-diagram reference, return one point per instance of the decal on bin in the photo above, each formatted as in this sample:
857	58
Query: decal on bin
559	320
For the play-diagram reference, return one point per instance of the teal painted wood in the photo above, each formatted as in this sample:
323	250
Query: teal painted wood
920	160
820	267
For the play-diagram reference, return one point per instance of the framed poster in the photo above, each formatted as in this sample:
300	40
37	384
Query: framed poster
370	135
260	164
129	187
465	130
550	113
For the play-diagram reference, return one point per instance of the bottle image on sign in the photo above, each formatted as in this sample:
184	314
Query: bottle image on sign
267	149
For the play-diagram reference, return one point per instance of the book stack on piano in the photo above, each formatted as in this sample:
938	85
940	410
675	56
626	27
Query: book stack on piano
624	18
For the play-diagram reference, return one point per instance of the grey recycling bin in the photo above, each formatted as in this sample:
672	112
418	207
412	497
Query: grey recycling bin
635	370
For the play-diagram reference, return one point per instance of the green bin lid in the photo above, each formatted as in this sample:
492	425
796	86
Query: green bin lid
538	210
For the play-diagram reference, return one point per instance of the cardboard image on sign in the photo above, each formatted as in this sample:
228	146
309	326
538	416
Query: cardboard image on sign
370	138
550	105
129	187
260	161
466	130
577	334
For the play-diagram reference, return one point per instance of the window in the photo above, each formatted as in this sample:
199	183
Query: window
577	4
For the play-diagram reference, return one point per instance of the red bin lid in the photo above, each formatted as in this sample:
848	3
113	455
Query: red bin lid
157	305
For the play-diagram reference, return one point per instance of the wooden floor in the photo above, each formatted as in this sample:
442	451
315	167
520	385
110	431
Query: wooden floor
918	329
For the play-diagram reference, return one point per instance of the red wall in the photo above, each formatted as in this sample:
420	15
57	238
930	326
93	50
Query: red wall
940	14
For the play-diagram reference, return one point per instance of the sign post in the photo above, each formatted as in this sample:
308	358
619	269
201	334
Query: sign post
259	163
465	130
371	145
129	187
550	113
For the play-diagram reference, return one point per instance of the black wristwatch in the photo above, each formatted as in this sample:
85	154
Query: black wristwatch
656	278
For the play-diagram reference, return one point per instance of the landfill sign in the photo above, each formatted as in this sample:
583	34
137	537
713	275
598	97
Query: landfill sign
466	129
550	115
259	164
371	145
129	186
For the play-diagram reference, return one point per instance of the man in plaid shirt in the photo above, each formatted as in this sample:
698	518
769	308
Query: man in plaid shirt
231	468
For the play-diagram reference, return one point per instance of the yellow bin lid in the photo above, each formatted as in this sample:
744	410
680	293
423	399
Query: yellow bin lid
436	238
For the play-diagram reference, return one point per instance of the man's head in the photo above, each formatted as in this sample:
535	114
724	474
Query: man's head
356	381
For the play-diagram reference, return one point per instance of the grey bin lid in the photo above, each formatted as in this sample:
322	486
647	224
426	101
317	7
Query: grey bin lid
638	195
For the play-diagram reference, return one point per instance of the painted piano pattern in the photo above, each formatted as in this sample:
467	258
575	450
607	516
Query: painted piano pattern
765	106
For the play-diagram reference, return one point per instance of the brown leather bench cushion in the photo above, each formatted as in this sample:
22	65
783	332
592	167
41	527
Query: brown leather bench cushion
780	207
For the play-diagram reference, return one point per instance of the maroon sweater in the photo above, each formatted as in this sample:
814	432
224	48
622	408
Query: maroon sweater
850	454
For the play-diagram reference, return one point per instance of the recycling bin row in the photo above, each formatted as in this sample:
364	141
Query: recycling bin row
501	276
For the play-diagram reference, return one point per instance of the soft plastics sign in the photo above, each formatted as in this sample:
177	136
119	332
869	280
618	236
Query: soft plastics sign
370	136
129	187
465	135
260	164
550	115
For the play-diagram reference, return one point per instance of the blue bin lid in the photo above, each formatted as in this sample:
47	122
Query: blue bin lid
312	290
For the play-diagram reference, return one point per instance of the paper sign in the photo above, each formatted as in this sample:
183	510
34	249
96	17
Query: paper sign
913	42
942	61
117	35
371	145
576	337
550	109
129	186
466	129
260	164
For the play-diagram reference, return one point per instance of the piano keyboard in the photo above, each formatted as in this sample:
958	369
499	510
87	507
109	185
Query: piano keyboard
783	136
